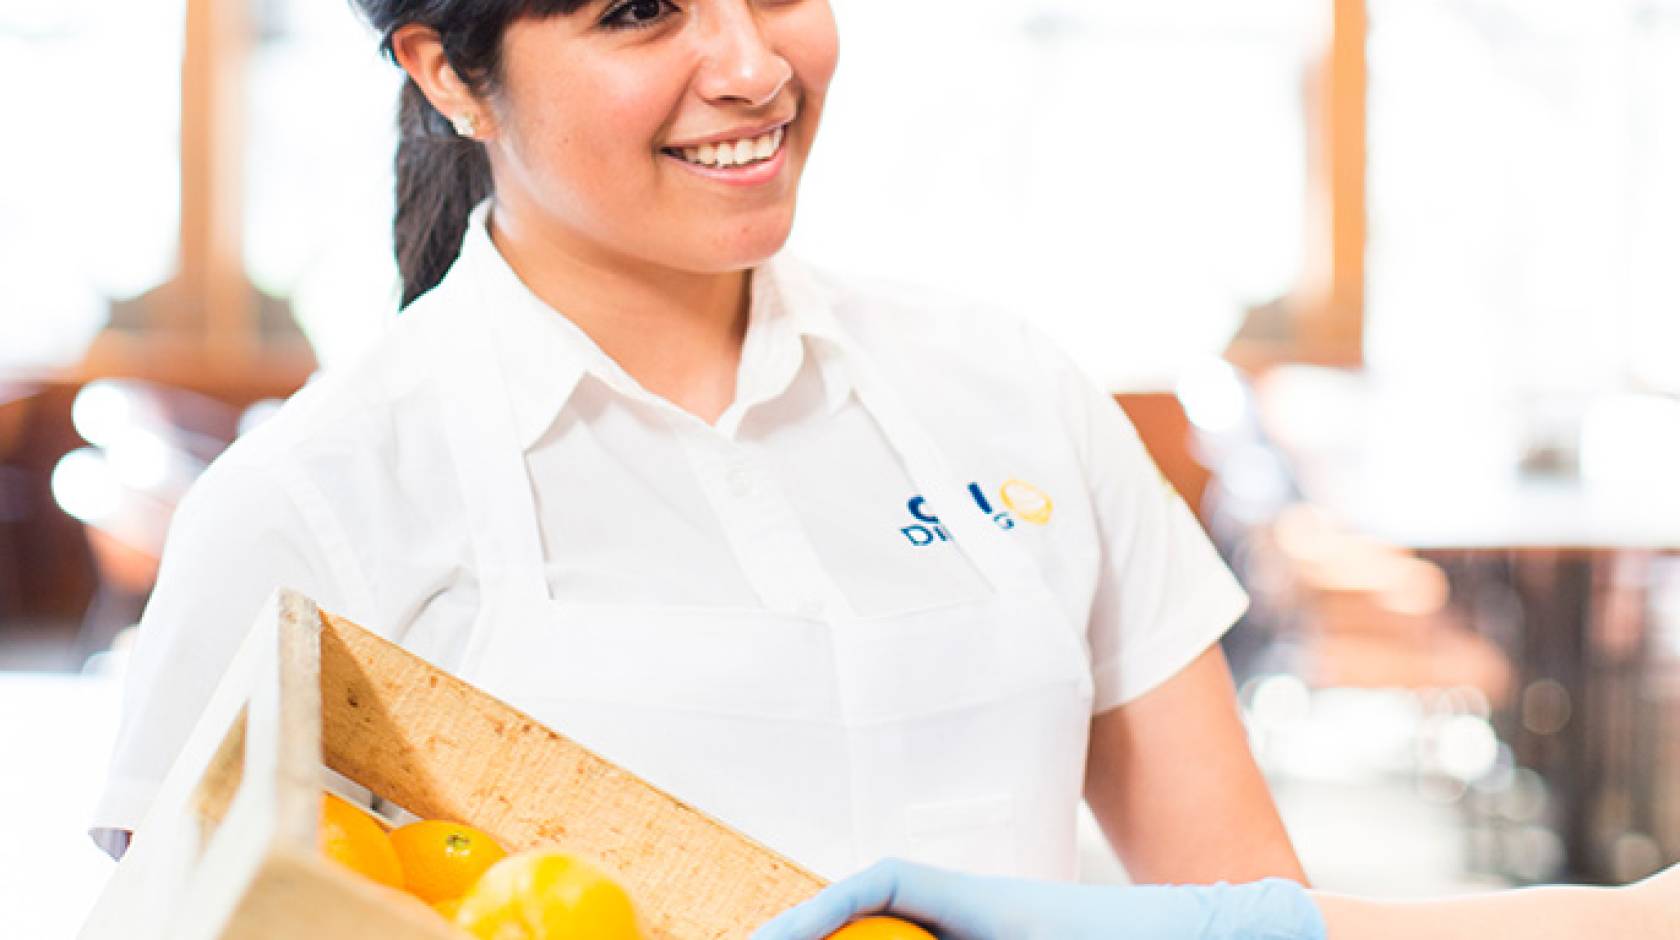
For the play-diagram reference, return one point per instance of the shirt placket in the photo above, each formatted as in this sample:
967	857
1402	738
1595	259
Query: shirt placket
763	530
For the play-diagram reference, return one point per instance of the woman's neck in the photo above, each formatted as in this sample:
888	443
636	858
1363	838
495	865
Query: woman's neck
677	333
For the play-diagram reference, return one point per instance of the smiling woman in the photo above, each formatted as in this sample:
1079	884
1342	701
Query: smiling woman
577	116
628	468
566	119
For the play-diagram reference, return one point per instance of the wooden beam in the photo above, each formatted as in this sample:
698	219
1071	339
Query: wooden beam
207	328
1336	320
214	300
1323	318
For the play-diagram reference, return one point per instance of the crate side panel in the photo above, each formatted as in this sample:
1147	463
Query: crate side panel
301	895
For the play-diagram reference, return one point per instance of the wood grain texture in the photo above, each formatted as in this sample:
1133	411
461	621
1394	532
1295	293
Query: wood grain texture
441	748
302	895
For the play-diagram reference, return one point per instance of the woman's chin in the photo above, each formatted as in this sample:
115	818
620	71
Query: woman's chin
741	248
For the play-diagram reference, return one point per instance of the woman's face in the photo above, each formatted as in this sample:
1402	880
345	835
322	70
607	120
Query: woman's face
673	132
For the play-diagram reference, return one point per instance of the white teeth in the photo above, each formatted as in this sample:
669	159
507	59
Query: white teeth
737	153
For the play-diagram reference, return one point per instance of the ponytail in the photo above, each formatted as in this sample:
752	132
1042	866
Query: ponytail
440	178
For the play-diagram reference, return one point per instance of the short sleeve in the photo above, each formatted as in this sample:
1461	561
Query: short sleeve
234	539
1163	595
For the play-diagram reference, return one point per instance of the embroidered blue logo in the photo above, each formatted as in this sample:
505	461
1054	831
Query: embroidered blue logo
1021	500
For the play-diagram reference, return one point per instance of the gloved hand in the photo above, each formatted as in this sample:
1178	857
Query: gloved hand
966	907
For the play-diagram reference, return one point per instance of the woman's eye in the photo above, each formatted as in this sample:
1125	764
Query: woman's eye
634	14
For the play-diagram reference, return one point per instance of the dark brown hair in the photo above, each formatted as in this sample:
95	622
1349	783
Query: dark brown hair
440	175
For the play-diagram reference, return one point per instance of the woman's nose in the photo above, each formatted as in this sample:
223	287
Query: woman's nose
740	62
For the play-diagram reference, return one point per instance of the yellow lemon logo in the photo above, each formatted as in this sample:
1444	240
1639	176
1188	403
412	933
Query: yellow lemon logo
1027	501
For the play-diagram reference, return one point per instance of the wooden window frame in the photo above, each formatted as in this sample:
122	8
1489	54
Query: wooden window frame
1322	320
208	328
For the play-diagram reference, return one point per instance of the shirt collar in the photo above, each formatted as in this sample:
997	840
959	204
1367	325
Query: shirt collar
544	356
788	296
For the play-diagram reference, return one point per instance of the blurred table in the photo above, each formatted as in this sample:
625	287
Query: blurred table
56	733
1447	485
1433	510
1558	544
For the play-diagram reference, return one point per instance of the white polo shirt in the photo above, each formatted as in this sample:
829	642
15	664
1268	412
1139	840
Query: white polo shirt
349	494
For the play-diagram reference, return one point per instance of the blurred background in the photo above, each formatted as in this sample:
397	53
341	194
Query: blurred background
1391	288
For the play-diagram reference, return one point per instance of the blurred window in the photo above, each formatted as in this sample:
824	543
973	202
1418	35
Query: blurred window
1129	175
1525	209
89	211
321	138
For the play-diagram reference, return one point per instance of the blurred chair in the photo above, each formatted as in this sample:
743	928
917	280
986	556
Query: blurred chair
147	444
1164	428
15	402
1381	616
1662	703
1347	610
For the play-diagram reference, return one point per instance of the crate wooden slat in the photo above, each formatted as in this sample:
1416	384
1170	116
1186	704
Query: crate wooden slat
229	848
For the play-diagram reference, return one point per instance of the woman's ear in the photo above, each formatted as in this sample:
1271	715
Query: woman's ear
419	51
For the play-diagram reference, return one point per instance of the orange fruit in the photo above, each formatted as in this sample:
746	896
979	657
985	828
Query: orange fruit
880	928
441	860
447	908
547	895
350	836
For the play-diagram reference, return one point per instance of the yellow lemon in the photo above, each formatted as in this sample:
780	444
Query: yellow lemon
547	895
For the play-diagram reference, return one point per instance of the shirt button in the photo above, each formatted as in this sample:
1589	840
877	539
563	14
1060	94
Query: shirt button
740	482
809	609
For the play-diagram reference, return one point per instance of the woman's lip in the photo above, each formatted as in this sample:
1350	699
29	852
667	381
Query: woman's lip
732	136
753	174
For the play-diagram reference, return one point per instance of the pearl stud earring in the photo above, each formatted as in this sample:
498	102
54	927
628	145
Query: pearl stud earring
465	125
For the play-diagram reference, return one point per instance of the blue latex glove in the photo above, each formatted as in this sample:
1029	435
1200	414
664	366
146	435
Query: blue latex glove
966	907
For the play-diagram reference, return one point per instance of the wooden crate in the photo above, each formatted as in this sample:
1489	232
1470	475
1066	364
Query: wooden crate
228	849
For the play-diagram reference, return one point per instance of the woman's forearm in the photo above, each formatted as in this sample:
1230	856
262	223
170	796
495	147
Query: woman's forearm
1647	911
